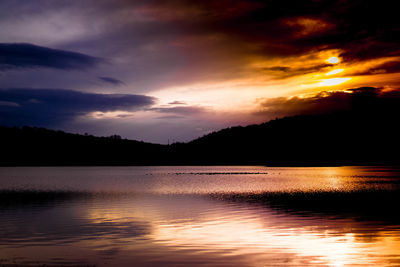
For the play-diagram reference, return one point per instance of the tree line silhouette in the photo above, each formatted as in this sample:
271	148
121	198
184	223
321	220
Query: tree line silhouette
344	138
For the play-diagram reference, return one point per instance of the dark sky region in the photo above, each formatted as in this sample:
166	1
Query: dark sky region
174	69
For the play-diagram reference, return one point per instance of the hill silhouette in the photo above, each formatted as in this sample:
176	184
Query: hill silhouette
343	138
311	140
39	146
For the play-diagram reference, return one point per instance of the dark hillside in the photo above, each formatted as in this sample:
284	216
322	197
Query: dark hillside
333	139
356	138
38	146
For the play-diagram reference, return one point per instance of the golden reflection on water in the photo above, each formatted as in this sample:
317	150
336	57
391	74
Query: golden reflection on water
165	219
257	233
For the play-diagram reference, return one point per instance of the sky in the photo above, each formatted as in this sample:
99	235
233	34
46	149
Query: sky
174	70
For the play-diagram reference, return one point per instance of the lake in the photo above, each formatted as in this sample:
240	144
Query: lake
199	216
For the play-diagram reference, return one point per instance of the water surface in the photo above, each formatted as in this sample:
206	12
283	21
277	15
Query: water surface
199	216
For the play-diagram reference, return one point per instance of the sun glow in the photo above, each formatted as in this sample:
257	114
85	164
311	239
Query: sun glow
333	81
333	60
333	72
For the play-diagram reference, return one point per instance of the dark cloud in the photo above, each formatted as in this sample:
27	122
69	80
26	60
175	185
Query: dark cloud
220	39
364	99
23	55
52	107
387	67
111	81
277	28
181	41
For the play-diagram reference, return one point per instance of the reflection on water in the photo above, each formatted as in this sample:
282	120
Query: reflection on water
199	216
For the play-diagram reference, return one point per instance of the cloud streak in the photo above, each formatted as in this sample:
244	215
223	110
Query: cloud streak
111	81
364	99
52	107
23	55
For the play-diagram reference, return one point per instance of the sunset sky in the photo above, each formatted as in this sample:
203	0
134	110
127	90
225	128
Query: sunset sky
176	70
